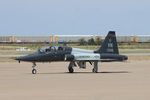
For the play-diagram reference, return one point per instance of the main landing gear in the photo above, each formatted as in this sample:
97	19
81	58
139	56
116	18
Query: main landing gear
95	69
71	70
34	71
70	67
72	64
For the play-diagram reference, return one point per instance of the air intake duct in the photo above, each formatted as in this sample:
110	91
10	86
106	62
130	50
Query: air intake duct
69	57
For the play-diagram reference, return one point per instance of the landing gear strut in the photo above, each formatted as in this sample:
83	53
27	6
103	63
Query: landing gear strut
70	67
34	71
95	69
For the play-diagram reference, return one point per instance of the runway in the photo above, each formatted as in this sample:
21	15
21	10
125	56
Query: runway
115	81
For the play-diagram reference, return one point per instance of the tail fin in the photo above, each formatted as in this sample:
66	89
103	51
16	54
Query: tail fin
109	45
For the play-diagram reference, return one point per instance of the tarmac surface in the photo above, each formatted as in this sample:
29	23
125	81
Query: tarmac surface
115	81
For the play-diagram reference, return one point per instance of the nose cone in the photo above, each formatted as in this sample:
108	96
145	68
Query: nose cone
125	57
23	58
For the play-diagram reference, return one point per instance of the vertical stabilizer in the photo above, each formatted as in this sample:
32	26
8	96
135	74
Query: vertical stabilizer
109	45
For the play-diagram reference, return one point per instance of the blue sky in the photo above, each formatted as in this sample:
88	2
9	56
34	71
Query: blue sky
47	17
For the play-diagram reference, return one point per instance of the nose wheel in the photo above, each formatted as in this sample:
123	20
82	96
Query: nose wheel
34	71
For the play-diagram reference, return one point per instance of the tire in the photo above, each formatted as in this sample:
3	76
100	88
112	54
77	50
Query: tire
71	70
94	71
34	71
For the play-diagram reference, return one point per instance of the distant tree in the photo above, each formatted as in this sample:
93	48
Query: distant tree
98	41
65	44
91	42
129	43
82	41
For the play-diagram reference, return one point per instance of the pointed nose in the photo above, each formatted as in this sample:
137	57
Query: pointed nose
23	58
17	58
20	58
125	57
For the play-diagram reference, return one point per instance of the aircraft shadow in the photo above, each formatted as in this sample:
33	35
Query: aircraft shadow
104	72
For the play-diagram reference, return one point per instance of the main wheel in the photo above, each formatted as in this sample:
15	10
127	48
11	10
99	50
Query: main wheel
71	70
94	71
34	71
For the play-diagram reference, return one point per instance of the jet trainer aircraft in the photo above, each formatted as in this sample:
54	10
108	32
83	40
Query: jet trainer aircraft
108	52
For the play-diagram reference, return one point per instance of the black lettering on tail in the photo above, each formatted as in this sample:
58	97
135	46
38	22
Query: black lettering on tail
109	45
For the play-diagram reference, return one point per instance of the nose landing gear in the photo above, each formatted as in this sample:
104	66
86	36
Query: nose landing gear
71	70
34	71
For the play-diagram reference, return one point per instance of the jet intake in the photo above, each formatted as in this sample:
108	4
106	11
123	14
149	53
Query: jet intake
69	57
125	58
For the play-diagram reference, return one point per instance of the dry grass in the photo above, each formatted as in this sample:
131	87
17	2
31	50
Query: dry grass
37	46
7	60
139	58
